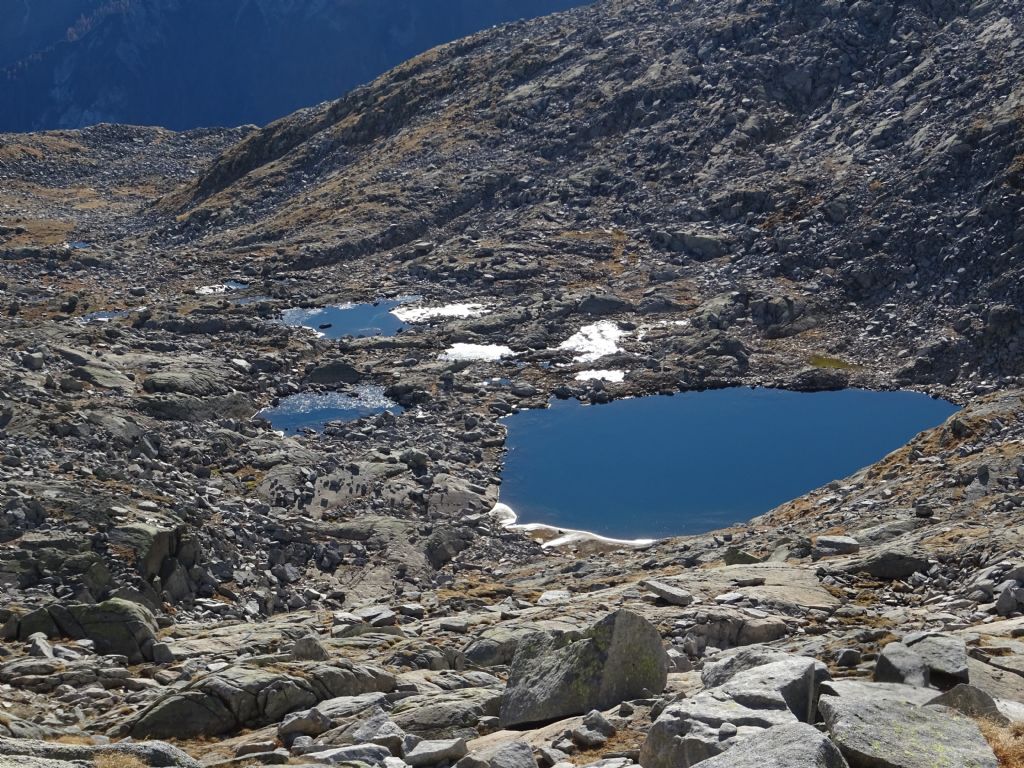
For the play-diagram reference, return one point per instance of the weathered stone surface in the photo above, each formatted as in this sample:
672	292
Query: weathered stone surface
437	751
115	626
874	734
620	657
670	593
891	564
513	754
704	726
369	754
247	697
971	701
836	545
945	656
899	664
21	752
786	683
784	746
445	715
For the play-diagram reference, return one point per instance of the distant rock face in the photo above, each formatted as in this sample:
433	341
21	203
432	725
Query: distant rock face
619	658
77	64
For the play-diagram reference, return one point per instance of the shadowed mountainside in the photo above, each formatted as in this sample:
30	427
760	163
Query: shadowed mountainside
191	63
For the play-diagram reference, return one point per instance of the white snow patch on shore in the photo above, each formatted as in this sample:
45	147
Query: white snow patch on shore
601	374
422	314
475	352
220	288
506	517
594	341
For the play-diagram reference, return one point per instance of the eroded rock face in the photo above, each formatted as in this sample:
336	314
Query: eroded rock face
115	626
620	657
244	697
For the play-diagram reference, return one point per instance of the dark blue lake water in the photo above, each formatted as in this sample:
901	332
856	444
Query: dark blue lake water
335	322
661	466
315	410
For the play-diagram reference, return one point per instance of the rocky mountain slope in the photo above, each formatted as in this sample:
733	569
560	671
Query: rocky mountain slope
188	63
787	194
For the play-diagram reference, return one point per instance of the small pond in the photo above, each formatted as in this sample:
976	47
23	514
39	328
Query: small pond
314	410
335	322
662	466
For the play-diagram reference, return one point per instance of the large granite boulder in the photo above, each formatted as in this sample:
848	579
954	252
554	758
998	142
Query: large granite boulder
116	626
446	714
898	664
745	700
888	734
619	658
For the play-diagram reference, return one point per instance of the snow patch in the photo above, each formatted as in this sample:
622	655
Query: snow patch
506	517
422	314
475	352
594	341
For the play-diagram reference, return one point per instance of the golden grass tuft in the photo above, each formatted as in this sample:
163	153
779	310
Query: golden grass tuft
75	738
118	760
1007	741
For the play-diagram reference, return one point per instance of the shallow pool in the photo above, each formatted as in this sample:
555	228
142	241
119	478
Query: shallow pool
338	321
315	410
662	466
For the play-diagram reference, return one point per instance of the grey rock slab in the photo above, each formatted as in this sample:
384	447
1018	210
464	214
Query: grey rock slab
785	746
155	753
726	665
446	714
704	726
789	683
116	626
971	701
309	648
436	751
243	696
890	564
837	545
669	593
899	664
896	692
514	754
371	754
945	656
887	734
621	657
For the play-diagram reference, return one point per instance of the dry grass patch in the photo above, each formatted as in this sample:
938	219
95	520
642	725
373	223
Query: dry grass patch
71	738
1007	742
118	760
